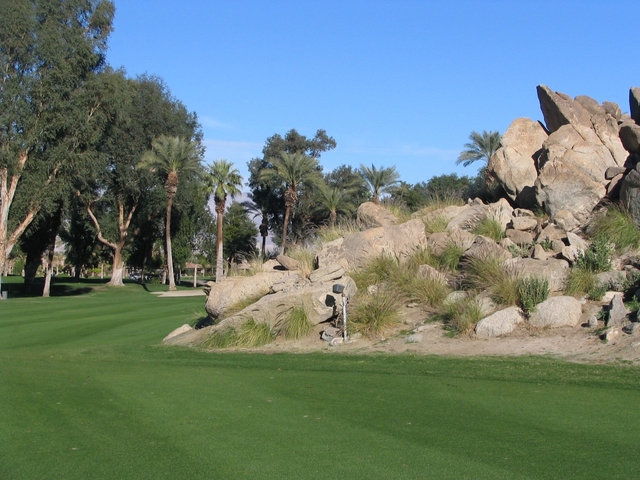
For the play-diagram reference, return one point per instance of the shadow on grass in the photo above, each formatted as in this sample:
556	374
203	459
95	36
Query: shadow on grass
60	287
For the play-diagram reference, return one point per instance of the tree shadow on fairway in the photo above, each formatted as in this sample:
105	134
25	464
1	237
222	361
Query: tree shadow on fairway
60	287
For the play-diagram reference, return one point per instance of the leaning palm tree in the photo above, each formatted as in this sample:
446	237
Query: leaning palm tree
171	156
334	200
291	170
223	181
481	147
380	180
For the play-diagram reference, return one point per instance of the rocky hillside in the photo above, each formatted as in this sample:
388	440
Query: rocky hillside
552	260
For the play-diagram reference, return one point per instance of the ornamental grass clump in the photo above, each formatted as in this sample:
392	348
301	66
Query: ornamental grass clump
428	291
222	338
488	272
617	226
582	277
296	325
253	334
435	224
375	315
462	315
490	227
449	257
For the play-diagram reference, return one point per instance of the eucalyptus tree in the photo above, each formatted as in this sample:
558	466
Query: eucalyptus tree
224	181
171	157
123	200
380	180
481	147
49	51
292	171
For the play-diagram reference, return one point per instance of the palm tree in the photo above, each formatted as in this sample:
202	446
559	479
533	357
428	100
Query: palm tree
334	200
254	209
223	181
291	170
481	147
171	156
380	181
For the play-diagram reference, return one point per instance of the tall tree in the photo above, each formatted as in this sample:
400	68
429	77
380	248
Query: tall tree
269	195
481	147
380	180
122	199
292	170
171	157
48	52
223	181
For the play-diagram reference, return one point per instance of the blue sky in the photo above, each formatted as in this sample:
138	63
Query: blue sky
398	82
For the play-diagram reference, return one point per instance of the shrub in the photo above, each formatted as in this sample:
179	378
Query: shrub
296	325
374	315
597	291
597	258
531	291
254	334
617	226
462	316
490	227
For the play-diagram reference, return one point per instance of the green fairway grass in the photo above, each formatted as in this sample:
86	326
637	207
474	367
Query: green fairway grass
87	391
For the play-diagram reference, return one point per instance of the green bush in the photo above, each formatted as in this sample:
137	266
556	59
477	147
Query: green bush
296	325
490	227
617	226
597	258
374	315
531	291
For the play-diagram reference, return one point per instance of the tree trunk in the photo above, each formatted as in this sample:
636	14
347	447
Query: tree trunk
31	264
287	213
117	269
46	291
172	280
195	275
332	219
219	248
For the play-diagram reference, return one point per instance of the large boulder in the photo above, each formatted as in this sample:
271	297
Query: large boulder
563	186
514	163
556	312
355	250
372	215
556	271
634	103
500	323
231	290
317	299
630	193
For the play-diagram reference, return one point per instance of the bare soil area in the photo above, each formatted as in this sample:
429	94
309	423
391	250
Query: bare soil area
578	344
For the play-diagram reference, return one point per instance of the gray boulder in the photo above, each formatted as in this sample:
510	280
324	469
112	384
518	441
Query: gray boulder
500	323
371	215
556	312
617	312
355	250
514	163
288	262
556	271
231	290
